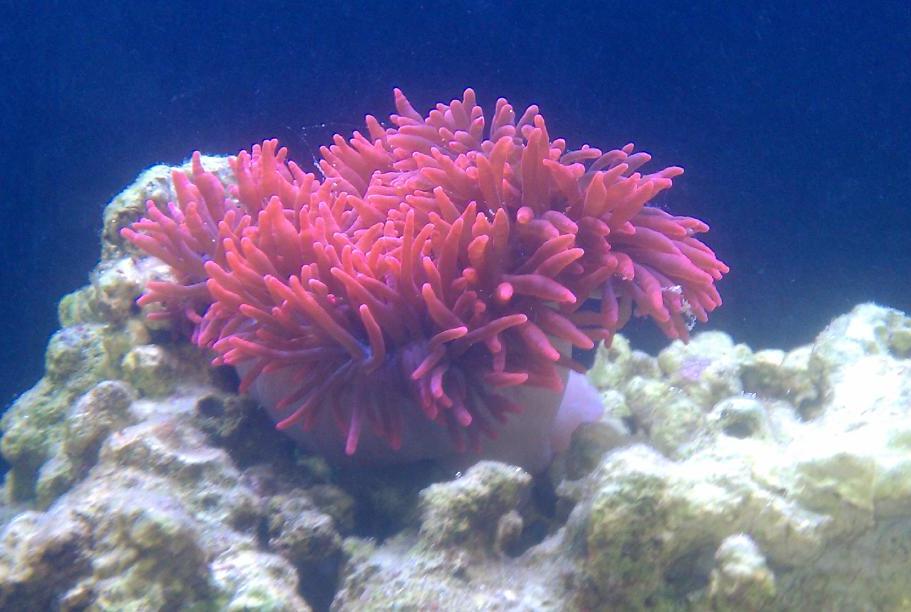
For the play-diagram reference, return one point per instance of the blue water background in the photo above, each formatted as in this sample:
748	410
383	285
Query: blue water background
792	120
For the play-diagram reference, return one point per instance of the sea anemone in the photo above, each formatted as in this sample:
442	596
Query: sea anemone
433	265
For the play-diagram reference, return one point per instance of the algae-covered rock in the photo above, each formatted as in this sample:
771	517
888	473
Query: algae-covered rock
464	553
168	449
900	338
79	356
869	331
129	549
467	510
41	557
670	418
151	556
299	532
802	488
740	417
617	363
589	443
55	477
239	425
89	420
839	483
782	500
782	375
252	580
32	427
708	369
625	533
741	579
77	359
111	295
335	502
150	369
128	503
158	519
644	527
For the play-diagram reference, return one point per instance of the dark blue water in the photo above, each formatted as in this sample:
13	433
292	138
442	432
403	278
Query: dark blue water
792	123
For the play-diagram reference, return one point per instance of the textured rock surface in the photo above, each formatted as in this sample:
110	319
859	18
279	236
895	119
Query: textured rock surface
744	481
454	559
718	478
132	486
160	519
466	511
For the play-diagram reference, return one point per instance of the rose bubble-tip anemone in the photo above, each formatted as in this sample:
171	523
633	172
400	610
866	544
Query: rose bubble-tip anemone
423	295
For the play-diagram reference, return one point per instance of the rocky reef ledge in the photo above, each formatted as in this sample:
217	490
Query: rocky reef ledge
719	478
